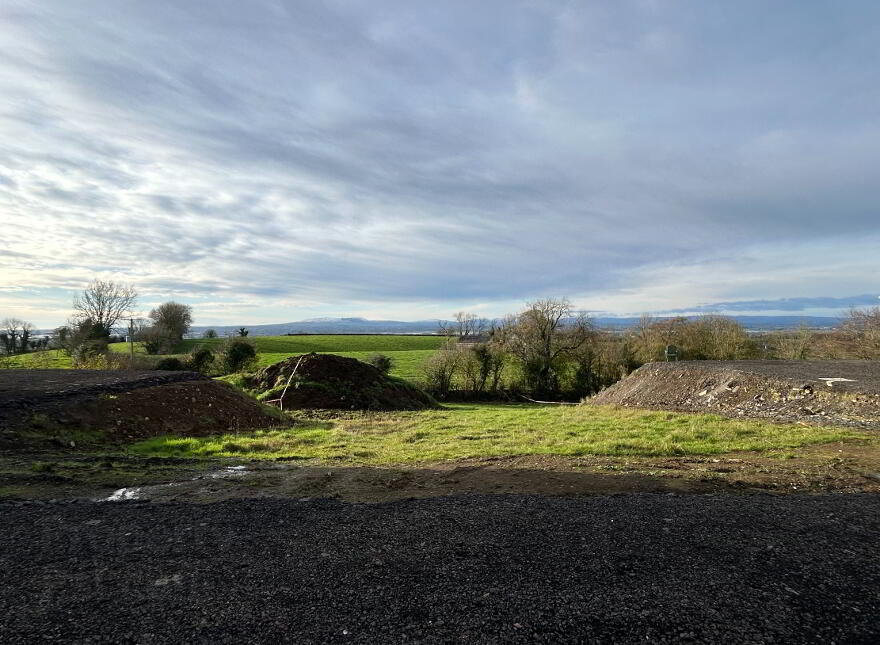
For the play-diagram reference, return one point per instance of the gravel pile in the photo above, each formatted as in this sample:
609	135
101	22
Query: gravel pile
843	393
623	569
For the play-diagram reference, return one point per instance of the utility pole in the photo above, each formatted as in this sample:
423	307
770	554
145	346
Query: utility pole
131	343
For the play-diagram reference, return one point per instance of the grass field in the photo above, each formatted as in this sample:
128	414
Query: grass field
487	430
329	344
408	352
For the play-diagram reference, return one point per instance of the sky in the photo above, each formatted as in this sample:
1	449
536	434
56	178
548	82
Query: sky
269	161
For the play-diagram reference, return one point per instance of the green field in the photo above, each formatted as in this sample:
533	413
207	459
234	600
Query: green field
494	430
328	344
408	352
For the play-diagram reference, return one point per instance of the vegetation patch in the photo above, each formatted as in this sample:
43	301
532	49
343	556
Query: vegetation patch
497	430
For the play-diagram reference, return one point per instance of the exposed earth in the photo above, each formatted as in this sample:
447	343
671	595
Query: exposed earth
842	393
327	381
45	408
476	569
847	467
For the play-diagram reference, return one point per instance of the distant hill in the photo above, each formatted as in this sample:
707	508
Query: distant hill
327	326
752	323
364	326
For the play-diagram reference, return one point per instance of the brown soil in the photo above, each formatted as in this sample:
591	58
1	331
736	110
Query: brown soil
187	409
122	410
334	382
22	392
788	391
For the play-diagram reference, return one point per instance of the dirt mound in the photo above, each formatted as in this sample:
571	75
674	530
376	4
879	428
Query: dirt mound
22	391
97	408
337	383
816	392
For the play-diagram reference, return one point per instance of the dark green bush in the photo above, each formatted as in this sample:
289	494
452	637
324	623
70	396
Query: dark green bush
170	363
238	355
200	359
381	362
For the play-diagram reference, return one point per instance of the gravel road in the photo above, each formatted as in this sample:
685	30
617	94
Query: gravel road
507	568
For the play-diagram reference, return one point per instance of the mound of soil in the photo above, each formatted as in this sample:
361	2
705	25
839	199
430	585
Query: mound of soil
334	382
816	392
49	407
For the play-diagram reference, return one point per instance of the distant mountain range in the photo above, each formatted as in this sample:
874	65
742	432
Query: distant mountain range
365	326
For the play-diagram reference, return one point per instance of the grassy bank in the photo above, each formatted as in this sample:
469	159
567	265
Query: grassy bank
487	430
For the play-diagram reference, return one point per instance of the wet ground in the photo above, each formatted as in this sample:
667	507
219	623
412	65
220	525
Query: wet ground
643	568
836	467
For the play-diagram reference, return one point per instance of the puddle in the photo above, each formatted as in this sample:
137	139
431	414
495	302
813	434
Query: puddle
146	492
123	494
226	473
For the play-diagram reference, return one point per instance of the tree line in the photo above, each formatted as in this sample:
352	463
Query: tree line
105	312
549	350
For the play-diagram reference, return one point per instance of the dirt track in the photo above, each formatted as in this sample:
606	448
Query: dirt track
475	569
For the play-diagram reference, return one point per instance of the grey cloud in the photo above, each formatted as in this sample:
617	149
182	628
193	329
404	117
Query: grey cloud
473	151
786	304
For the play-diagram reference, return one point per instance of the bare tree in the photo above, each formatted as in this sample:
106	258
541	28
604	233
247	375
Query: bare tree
464	325
546	332
173	317
794	345
25	336
104	302
15	334
861	333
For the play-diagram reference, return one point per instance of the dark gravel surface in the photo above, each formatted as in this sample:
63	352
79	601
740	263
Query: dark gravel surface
33	390
625	568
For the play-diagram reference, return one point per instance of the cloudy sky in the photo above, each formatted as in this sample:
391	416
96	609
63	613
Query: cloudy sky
280	160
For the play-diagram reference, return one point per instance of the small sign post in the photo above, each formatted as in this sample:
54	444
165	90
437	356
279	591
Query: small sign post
671	353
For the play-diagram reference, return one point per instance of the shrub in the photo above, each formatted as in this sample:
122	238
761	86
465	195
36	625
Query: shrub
85	354
156	340
482	365
105	361
209	333
440	369
200	358
381	362
171	363
238	355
